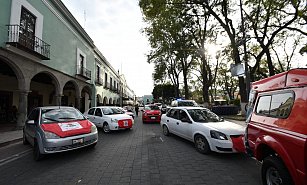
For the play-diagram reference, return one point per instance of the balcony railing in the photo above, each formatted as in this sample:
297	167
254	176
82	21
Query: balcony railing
23	41
99	81
84	72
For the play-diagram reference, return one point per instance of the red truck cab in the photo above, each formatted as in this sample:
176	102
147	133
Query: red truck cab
276	133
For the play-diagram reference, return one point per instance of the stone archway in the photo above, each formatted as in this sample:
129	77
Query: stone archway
44	91
114	102
70	95
98	100
86	95
9	97
110	101
105	101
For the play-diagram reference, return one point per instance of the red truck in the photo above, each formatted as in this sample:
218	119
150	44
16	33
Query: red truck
276	133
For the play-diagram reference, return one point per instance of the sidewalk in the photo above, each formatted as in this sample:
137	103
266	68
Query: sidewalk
9	135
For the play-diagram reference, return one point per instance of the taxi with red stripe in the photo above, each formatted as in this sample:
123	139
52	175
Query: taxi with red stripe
109	118
57	129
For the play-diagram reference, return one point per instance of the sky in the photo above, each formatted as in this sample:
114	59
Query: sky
115	27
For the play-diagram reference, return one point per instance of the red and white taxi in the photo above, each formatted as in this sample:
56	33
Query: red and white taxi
151	113
109	118
57	129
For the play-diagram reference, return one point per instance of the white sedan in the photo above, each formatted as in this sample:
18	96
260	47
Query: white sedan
109	118
201	126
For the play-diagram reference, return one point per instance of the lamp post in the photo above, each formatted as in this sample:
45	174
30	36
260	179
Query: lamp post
247	74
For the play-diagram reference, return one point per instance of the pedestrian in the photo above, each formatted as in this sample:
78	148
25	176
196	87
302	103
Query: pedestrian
137	110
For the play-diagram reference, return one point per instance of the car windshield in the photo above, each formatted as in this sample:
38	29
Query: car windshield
152	107
60	115
187	103
203	115
111	111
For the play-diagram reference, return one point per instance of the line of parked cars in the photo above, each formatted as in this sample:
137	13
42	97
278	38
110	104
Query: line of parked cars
56	129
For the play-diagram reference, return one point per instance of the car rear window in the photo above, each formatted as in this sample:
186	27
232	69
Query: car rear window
275	105
60	115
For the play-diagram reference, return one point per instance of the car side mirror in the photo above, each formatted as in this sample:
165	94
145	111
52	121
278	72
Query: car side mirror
30	122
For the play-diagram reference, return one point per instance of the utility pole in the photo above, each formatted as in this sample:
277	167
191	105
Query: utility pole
247	74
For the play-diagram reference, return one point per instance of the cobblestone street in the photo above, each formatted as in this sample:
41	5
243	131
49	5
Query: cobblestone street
142	155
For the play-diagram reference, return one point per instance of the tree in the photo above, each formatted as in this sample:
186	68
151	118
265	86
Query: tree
164	91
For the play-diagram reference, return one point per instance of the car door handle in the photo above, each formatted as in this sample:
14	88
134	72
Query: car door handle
177	123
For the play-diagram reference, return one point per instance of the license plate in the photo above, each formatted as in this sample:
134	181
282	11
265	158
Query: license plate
125	123
153	117
77	141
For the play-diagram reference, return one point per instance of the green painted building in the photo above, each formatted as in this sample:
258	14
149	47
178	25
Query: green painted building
47	58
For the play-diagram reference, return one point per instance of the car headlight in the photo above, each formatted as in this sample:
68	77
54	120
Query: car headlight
218	135
114	120
93	129
50	135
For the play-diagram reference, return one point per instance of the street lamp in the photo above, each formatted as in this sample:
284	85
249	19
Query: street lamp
247	74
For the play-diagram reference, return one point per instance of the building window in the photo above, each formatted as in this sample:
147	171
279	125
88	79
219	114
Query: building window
106	79
27	28
81	62
98	72
111	82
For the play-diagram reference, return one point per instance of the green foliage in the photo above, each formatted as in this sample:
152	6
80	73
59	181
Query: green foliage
166	91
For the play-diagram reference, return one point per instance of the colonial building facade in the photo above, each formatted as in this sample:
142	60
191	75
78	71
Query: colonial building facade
47	58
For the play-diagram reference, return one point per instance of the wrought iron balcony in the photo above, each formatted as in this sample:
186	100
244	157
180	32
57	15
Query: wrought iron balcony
32	44
99	81
85	73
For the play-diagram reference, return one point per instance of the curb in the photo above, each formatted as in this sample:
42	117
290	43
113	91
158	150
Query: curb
10	142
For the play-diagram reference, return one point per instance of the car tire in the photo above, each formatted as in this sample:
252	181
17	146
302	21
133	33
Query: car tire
273	171
24	139
36	152
106	128
202	144
165	130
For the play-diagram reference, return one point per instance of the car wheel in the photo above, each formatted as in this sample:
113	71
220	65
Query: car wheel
106	128
274	172
165	130
24	139
36	153
202	144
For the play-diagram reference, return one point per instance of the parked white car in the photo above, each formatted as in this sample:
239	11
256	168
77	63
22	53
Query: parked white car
208	131
109	118
125	111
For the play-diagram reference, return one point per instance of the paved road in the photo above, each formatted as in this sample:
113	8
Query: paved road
142	155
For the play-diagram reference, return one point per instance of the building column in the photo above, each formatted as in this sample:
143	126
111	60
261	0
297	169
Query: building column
58	100
22	109
77	103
